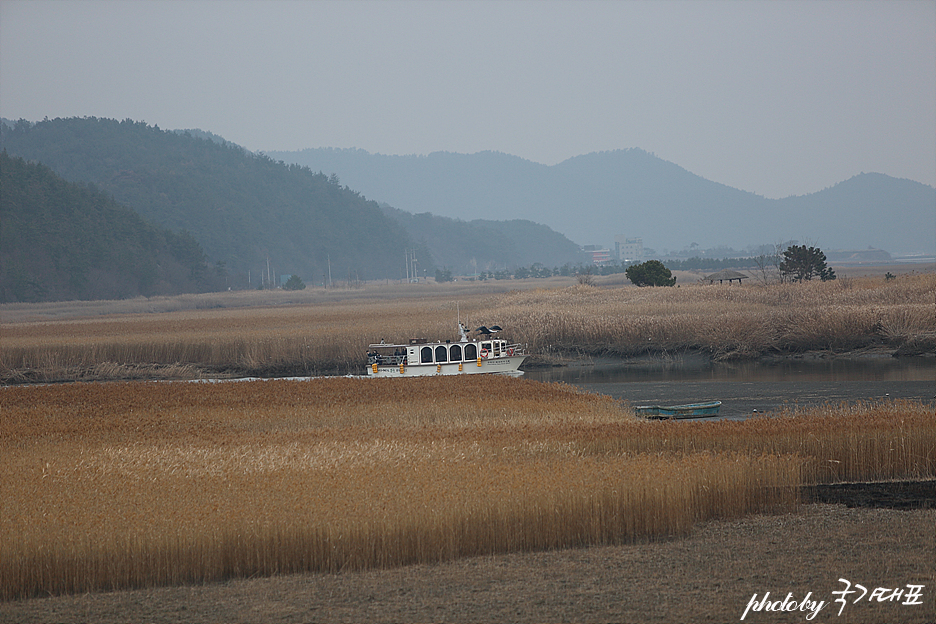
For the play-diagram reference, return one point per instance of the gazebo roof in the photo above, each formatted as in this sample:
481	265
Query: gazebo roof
726	274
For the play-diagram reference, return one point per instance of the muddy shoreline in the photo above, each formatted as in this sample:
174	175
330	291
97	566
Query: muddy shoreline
901	495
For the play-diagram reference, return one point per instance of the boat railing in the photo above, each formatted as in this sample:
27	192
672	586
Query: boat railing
513	349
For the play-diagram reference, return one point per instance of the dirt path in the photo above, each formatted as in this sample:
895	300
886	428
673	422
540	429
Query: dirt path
709	576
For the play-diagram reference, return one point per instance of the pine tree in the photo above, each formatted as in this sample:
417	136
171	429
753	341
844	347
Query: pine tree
650	273
294	283
802	263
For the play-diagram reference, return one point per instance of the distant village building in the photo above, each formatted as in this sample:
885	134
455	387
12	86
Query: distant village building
598	254
628	249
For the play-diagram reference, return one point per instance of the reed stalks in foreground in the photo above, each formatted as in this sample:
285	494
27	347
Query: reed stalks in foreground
111	486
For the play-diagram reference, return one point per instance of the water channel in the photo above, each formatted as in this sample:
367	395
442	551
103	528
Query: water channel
746	388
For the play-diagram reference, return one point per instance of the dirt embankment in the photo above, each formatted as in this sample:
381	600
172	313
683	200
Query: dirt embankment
902	495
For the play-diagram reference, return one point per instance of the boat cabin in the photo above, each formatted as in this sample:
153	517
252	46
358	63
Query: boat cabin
419	351
485	354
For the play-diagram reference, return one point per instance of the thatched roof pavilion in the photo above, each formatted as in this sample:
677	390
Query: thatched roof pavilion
725	276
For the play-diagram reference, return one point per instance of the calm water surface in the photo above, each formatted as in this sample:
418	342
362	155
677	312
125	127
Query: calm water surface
746	388
689	369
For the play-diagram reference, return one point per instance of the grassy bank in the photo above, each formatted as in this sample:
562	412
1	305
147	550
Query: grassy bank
726	322
121	485
284	334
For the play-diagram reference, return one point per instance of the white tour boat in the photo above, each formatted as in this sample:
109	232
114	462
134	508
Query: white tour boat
420	358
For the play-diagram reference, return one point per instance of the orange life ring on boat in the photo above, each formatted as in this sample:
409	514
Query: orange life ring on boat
509	351
484	353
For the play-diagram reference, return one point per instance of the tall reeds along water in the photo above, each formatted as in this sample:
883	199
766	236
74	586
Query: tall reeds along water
119	485
722	322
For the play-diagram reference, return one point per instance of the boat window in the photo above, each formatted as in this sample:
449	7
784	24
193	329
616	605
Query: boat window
497	348
486	346
456	354
471	352
441	354
425	355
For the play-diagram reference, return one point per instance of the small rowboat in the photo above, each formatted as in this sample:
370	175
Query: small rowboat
691	410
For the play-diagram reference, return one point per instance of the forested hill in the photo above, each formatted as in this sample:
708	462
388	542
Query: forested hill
61	240
242	208
245	209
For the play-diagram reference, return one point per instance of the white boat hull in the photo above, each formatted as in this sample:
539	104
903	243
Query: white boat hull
503	365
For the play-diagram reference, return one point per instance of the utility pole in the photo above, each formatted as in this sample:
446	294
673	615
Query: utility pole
411	274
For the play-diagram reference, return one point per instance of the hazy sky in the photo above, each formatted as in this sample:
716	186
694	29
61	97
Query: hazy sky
778	98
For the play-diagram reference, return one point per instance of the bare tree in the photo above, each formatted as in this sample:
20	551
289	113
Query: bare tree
768	265
586	278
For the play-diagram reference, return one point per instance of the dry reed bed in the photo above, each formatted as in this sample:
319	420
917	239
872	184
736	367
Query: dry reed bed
61	310
306	339
862	441
727	321
141	484
724	321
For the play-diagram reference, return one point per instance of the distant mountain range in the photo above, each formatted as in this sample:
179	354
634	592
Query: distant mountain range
595	197
213	214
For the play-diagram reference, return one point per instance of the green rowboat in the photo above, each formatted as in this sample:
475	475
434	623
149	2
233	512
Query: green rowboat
691	410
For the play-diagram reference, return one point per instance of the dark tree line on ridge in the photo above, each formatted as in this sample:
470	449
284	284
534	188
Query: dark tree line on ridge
243	208
62	240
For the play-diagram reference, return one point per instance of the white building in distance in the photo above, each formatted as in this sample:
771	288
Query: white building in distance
628	249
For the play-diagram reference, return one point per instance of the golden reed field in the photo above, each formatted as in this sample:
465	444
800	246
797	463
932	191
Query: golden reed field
264	333
142	483
136	484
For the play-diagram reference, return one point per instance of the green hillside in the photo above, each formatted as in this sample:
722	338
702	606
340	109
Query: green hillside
61	240
250	212
244	209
